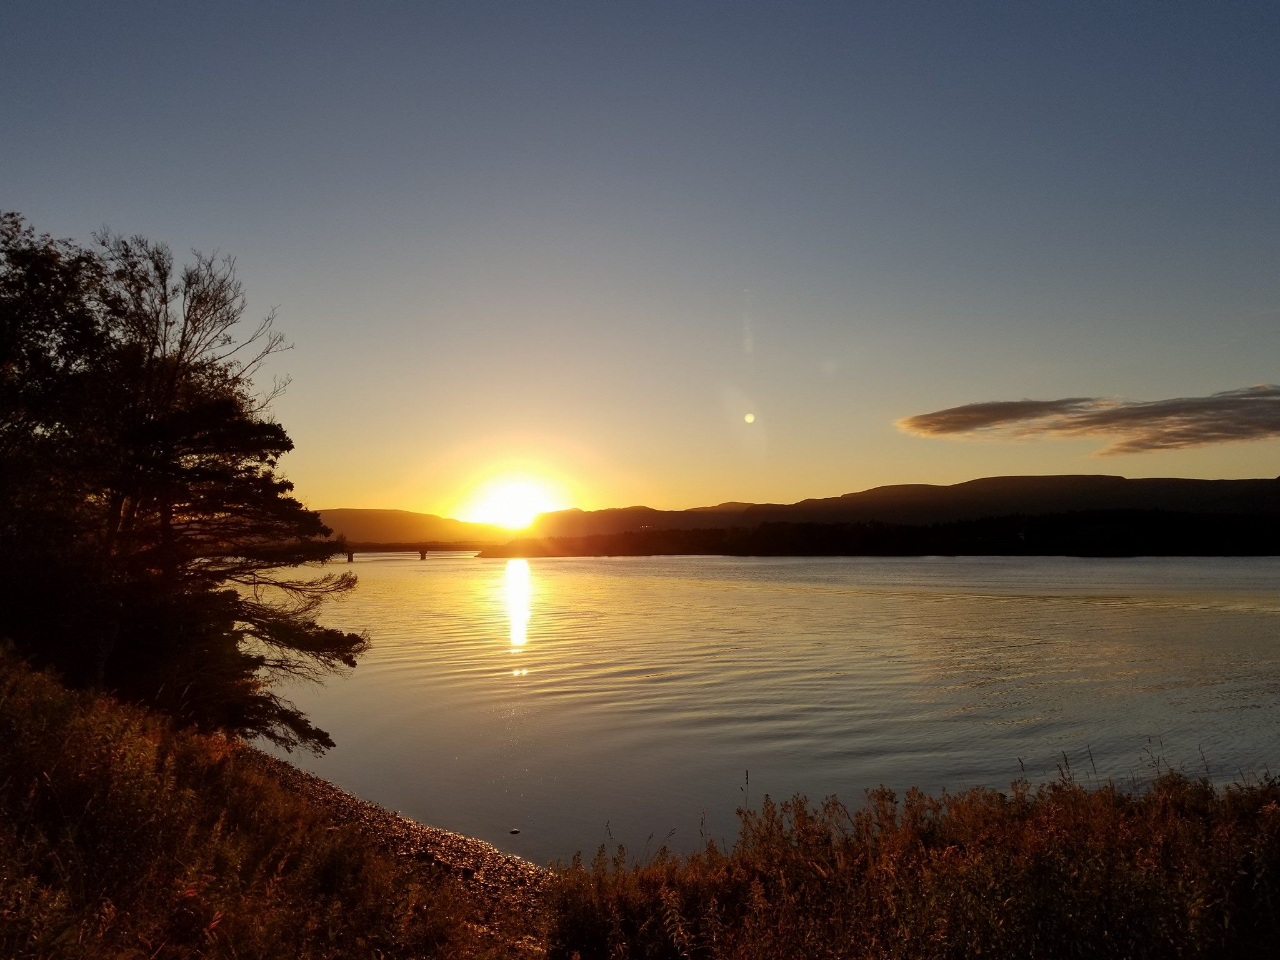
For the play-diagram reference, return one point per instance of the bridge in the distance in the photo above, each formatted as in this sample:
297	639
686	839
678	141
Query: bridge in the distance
419	547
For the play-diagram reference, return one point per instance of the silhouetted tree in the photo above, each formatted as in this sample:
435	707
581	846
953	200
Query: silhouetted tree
151	547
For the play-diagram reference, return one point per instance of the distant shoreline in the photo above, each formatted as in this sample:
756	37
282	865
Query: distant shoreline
903	505
1120	533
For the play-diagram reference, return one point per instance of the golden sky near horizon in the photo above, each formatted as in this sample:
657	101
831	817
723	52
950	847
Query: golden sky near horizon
568	474
676	254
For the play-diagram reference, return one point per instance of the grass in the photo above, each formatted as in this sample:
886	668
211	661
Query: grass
1181	870
122	837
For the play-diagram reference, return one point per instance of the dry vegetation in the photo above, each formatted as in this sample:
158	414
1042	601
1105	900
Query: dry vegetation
1181	870
122	837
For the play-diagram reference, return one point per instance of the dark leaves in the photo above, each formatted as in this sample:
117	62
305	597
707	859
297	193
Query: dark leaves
146	528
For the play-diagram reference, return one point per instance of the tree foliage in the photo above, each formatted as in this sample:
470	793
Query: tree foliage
150	546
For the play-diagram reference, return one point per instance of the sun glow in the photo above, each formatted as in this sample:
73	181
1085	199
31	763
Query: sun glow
511	503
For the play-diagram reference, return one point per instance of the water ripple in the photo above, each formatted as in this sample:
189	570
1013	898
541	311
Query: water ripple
569	693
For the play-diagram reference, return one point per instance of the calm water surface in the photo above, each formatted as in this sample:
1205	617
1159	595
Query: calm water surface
612	700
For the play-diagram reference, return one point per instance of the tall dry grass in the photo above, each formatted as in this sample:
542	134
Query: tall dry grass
121	837
1178	870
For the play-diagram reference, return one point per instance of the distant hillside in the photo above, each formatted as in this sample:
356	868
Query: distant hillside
914	504
1087	533
906	504
404	526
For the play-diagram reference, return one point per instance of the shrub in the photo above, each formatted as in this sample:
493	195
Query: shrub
1179	870
121	837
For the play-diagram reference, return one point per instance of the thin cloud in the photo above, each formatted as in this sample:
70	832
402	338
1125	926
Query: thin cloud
1250	413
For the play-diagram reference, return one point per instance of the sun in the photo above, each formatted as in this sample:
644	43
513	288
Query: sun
513	503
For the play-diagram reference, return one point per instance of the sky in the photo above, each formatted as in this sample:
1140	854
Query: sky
581	242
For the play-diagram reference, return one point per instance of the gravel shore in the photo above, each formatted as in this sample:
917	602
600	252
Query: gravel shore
507	890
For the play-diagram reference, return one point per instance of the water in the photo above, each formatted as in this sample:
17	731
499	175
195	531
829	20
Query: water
597	700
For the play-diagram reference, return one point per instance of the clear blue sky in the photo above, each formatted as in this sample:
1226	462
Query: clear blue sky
583	240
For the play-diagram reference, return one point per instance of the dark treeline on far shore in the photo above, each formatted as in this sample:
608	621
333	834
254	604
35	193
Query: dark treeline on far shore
1103	533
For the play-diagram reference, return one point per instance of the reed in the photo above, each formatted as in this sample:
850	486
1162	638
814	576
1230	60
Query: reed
1178	869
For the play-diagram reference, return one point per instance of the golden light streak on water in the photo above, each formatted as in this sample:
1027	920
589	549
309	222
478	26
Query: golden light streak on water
518	594
601	700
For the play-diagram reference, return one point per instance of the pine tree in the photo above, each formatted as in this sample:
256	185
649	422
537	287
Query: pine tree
168	557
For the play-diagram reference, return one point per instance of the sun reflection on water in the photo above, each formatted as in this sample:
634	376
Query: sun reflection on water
518	591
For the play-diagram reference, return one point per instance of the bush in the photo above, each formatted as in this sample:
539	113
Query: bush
1180	870
122	837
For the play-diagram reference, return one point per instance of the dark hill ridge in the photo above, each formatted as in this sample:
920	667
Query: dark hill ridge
405	526
922	503
906	504
1084	533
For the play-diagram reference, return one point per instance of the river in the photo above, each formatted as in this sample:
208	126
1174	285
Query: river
635	700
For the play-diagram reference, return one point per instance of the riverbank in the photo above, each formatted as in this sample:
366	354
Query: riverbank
122	837
506	892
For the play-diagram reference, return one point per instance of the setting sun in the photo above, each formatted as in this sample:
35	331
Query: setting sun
511	503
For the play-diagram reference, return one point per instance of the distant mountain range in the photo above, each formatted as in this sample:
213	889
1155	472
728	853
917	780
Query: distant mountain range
909	504
1082	533
404	526
921	503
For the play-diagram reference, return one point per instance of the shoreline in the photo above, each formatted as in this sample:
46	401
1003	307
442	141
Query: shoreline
189	845
508	889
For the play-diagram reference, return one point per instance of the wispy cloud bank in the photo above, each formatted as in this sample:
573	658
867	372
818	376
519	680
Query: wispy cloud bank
1251	413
